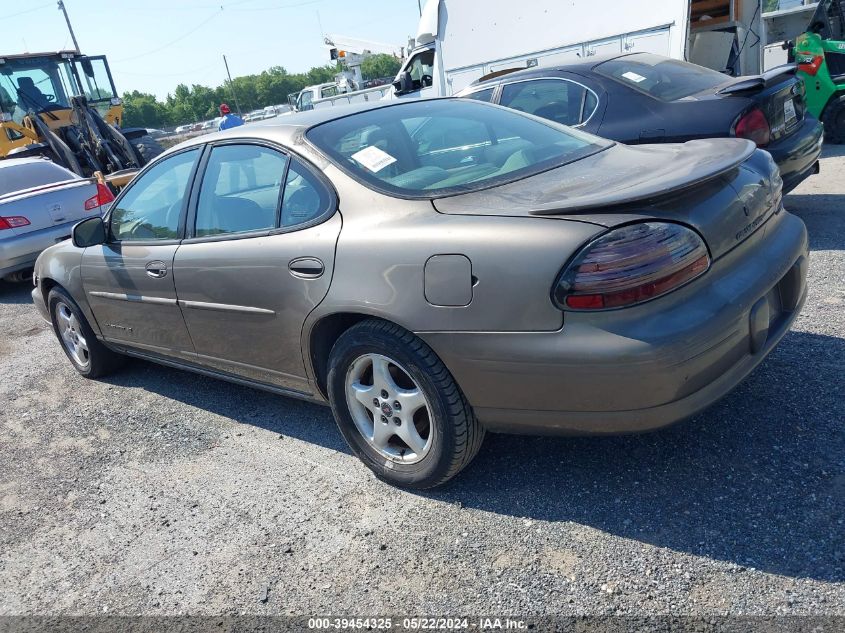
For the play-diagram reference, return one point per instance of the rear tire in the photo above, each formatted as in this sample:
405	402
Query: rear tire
147	148
834	120
88	356
425	441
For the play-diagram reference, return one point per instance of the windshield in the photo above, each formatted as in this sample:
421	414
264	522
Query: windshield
37	84
427	149
662	78
45	83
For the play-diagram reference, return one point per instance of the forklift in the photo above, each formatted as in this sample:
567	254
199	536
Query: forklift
820	55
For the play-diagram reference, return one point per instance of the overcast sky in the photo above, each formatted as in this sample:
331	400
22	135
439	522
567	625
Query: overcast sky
153	45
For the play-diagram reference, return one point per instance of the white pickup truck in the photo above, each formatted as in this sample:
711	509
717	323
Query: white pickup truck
40	202
323	95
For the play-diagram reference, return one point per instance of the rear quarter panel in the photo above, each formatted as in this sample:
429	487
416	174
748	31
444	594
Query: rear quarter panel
385	244
633	117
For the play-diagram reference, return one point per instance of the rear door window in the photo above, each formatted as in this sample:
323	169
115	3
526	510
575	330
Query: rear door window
240	190
305	198
480	95
659	77
558	100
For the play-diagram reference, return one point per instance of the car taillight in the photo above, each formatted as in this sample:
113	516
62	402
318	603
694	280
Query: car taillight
754	126
13	222
630	265
809	63
104	196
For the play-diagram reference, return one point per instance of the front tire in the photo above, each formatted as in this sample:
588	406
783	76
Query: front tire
88	356
424	441
834	120
147	148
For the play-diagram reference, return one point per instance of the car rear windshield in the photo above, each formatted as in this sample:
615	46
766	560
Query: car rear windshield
30	174
428	149
662	78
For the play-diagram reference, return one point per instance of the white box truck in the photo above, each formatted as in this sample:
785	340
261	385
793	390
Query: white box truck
459	41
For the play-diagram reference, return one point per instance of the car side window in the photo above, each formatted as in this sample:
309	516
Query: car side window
480	95
557	100
240	190
422	69
151	207
305	198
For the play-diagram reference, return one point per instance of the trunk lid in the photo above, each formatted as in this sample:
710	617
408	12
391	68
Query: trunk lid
778	93
49	205
720	187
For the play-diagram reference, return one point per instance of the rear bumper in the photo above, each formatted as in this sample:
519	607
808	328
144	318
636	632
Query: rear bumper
18	252
640	368
798	155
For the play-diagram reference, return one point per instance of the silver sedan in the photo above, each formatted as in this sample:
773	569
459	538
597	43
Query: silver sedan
437	269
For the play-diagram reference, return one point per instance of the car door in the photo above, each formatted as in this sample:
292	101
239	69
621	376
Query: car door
258	259
129	279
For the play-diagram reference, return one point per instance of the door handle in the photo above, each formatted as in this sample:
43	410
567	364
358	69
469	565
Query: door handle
156	269
306	267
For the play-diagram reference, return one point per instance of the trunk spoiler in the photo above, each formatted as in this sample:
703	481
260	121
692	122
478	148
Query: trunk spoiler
675	176
758	82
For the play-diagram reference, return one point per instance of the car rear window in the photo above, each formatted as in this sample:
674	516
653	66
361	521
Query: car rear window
30	174
428	149
662	78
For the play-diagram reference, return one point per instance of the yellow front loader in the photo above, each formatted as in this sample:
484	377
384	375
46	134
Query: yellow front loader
64	106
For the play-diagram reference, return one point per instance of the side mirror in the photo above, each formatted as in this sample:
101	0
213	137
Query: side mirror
404	84
90	232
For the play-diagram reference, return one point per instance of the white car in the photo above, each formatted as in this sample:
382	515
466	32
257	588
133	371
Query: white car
40	202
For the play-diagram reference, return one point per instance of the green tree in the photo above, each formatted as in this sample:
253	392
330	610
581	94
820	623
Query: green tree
190	104
143	110
380	66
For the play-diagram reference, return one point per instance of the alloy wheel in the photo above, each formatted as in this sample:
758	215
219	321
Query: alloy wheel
389	409
71	335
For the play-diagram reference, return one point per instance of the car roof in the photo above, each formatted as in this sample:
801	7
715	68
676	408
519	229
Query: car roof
285	129
584	64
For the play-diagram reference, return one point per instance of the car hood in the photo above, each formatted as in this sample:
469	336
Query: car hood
721	187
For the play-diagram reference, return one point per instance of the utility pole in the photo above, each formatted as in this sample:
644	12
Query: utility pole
232	87
69	27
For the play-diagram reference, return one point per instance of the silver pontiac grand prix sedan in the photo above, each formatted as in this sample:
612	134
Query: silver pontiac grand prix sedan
435	269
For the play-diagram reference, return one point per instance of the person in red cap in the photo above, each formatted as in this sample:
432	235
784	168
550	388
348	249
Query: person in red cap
229	119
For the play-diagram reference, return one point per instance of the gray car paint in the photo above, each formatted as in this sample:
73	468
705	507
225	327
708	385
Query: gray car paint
522	365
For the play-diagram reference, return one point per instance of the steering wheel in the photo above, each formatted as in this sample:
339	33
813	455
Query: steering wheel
426	81
50	98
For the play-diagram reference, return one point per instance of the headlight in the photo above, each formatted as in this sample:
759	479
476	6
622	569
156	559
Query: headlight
631	265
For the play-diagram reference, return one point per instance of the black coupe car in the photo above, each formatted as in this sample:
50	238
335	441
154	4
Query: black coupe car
646	98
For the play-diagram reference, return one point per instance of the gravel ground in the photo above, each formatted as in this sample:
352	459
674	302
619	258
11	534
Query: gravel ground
161	492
